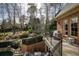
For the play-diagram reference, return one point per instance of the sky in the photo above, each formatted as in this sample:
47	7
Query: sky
25	7
24	11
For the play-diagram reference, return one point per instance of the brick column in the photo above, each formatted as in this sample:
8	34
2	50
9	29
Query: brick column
62	24
77	40
78	27
69	26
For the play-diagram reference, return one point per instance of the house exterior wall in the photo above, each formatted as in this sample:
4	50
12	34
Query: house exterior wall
60	22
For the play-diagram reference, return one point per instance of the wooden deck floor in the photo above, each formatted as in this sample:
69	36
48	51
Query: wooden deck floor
67	49
70	50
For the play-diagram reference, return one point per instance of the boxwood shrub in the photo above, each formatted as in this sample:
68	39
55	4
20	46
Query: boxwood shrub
32	40
5	44
6	53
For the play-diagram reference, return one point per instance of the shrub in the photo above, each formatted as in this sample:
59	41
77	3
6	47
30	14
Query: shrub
32	40
15	45
52	27
6	53
24	35
30	29
4	44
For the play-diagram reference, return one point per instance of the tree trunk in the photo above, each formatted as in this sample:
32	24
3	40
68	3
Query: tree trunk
14	22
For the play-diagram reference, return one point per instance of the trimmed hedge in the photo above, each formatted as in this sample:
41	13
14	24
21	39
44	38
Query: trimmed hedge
15	45
32	40
6	53
5	44
9	43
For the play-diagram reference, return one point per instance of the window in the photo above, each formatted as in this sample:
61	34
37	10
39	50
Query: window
74	28
66	27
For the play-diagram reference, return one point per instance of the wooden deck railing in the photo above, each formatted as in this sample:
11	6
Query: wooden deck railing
56	46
